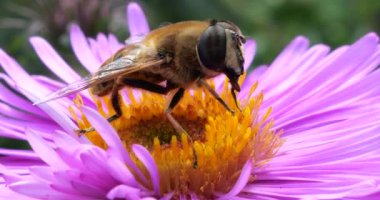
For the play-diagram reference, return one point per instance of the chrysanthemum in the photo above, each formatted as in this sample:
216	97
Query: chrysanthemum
309	128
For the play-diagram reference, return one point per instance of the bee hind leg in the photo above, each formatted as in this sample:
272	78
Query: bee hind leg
84	131
115	96
115	99
151	87
160	90
136	83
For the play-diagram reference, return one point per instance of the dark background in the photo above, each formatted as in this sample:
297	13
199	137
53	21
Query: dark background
272	23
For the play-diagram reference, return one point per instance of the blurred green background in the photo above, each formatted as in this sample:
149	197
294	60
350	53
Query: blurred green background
272	23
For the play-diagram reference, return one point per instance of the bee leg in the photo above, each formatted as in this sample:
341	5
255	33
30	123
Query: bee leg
173	102
203	83
161	90
137	84
84	131
152	87
115	100
115	96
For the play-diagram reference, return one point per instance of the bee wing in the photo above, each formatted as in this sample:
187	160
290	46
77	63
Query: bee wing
120	66
74	87
126	65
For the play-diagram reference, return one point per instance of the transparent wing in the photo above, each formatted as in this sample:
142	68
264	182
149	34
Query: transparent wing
74	87
120	66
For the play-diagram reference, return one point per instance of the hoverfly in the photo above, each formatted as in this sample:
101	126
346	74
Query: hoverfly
183	54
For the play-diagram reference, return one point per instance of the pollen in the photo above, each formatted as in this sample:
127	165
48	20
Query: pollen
209	157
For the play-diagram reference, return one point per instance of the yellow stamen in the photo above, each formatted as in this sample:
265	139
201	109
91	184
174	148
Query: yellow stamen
221	141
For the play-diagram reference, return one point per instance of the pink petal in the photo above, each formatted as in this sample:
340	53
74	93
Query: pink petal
241	182
123	192
52	60
7	193
105	51
62	180
144	156
94	162
137	23
252	78
7	96
315	69
42	173
110	136
88	190
298	69
167	196
70	156
7	132
120	172
19	165
62	139
17	127
34	91
11	177
319	86
80	182
97	181
193	196
219	81
82	49
289	55
19	153
115	147
39	190
9	111
249	53
114	43
96	49
44	151
22	80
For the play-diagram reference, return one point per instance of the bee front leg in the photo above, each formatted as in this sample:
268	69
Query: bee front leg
203	83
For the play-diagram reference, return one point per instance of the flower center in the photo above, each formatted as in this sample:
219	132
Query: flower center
220	142
159	127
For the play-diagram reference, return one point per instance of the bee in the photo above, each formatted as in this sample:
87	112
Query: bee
183	54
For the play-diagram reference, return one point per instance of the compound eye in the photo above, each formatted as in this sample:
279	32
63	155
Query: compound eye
212	48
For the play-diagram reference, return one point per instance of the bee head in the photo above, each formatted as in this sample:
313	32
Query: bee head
220	50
